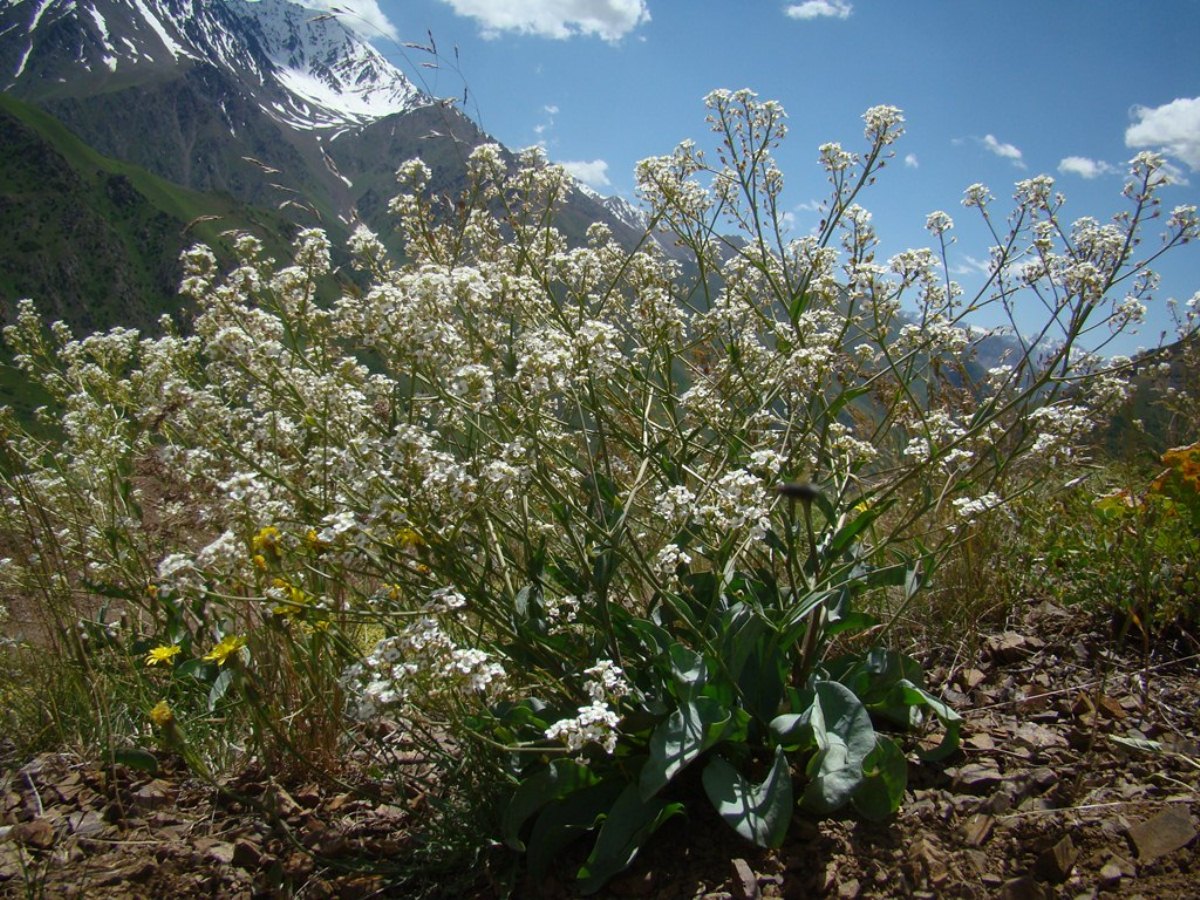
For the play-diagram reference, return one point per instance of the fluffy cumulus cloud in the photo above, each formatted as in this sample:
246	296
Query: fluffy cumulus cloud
594	174
1006	151
819	9
1173	127
364	17
610	20
1086	168
911	161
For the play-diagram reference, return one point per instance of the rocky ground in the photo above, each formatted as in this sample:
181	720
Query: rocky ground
1079	777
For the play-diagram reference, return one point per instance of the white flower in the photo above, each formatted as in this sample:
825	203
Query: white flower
607	681
596	723
971	509
669	559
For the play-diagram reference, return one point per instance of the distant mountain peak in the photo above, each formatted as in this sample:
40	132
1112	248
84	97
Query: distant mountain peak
303	67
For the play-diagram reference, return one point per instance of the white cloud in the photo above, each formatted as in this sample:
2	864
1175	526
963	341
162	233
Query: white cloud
817	9
911	161
594	174
1174	127
1086	168
558	19
1173	174
1007	151
969	265
363	17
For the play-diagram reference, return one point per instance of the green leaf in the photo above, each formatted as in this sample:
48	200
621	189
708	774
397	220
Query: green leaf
631	820
136	758
562	821
758	812
195	668
847	737
848	533
560	778
951	721
852	621
885	776
796	731
686	733
219	688
688	669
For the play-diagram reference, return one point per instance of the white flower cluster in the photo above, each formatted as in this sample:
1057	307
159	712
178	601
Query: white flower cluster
597	722
421	664
971	508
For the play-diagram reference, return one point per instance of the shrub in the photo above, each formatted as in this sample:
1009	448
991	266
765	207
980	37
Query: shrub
607	512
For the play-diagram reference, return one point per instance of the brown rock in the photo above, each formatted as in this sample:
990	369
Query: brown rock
36	833
977	778
1023	888
1008	647
930	862
247	854
1055	863
978	829
971	678
747	881
219	852
1111	708
154	794
1165	833
849	889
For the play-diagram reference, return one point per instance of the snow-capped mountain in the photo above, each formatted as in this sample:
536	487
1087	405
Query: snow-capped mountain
302	66
277	107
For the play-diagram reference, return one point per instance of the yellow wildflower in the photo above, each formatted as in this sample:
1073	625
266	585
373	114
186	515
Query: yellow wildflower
227	647
161	714
407	538
1183	462
162	654
260	562
266	541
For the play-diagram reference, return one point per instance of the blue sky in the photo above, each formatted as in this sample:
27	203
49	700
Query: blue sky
992	93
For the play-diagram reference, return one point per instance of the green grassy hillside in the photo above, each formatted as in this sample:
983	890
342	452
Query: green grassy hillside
94	241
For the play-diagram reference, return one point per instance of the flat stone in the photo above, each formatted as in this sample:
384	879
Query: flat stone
220	852
1165	833
976	778
37	833
246	854
1023	888
978	829
747	880
154	795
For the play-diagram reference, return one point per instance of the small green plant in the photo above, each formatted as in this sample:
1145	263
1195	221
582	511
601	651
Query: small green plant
756	707
1130	551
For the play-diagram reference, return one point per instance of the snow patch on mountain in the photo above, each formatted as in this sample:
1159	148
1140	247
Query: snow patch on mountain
337	78
302	66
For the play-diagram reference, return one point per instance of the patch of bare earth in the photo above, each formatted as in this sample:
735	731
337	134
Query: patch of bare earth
1079	776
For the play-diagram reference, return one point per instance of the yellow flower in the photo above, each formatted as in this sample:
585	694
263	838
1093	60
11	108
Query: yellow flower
161	715
225	649
164	653
260	562
315	544
266	540
407	538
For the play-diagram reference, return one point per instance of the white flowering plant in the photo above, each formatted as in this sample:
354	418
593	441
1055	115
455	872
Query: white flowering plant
606	508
